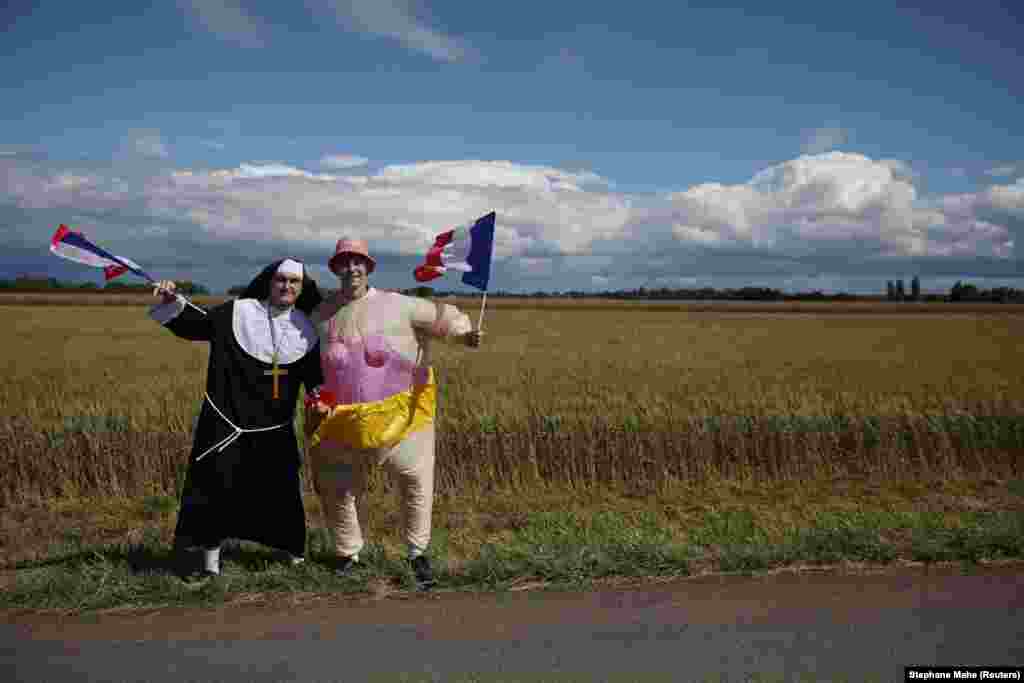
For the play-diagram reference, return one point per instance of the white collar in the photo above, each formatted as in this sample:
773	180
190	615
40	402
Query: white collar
276	311
293	331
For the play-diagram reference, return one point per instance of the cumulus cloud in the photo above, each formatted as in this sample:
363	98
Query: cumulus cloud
823	202
834	213
269	170
342	161
823	139
397	19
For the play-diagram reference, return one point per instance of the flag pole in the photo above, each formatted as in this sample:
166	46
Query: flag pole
480	320
182	296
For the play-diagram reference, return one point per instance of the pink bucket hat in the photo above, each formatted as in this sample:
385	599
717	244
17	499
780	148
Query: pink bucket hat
350	246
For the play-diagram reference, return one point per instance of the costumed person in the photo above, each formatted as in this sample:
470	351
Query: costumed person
243	474
378	402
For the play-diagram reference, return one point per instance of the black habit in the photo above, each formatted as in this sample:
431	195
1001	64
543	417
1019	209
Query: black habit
249	490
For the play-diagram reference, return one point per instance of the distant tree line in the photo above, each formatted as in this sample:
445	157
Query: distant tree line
894	291
38	283
662	293
999	295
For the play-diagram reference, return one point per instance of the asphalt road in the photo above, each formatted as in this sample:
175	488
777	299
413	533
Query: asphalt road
825	627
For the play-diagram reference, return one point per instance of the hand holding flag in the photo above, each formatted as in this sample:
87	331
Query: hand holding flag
166	289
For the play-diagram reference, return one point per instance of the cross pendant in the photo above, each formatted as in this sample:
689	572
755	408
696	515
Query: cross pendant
276	372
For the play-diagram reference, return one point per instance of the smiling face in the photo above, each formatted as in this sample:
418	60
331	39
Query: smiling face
285	289
352	271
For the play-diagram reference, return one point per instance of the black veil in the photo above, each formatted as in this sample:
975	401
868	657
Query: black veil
259	288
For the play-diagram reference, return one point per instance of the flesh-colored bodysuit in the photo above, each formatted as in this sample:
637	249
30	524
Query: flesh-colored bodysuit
375	356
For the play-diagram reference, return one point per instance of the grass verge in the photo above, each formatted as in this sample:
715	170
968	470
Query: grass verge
92	555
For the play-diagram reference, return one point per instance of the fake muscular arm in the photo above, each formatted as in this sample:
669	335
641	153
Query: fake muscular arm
442	321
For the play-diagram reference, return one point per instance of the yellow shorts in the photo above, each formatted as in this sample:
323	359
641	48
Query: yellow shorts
380	424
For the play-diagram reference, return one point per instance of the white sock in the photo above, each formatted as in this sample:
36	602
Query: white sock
211	560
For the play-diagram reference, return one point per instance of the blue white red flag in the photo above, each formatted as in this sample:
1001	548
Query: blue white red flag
75	247
467	249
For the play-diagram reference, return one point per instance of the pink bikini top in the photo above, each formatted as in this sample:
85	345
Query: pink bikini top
366	369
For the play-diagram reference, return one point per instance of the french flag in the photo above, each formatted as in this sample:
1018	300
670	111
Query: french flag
73	246
467	248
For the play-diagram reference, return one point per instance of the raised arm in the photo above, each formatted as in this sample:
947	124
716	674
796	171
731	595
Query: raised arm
444	321
181	319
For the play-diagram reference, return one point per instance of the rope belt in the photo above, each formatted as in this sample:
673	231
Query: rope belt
237	431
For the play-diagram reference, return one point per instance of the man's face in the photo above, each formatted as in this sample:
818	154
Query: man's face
351	270
285	289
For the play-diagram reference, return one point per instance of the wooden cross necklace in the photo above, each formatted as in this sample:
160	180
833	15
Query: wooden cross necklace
276	372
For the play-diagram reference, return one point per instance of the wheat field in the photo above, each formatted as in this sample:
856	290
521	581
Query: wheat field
99	400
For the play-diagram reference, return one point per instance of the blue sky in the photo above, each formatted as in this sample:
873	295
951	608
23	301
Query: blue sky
794	145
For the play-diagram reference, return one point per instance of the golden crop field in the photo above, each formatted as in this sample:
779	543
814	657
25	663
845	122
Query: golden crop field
99	400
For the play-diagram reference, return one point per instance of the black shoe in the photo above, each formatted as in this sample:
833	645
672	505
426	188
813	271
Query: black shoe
424	574
199	577
343	564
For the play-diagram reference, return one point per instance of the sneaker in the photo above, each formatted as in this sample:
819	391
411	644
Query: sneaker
424	574
343	564
295	560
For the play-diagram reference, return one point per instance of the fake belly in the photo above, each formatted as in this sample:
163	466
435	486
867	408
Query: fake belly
379	424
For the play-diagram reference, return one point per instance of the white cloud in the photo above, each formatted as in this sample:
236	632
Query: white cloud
404	206
270	170
146	143
32	187
402	20
1001	171
544	266
1008	198
675	281
497	174
838	199
341	161
397	19
12	150
228	20
696	234
815	210
823	139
